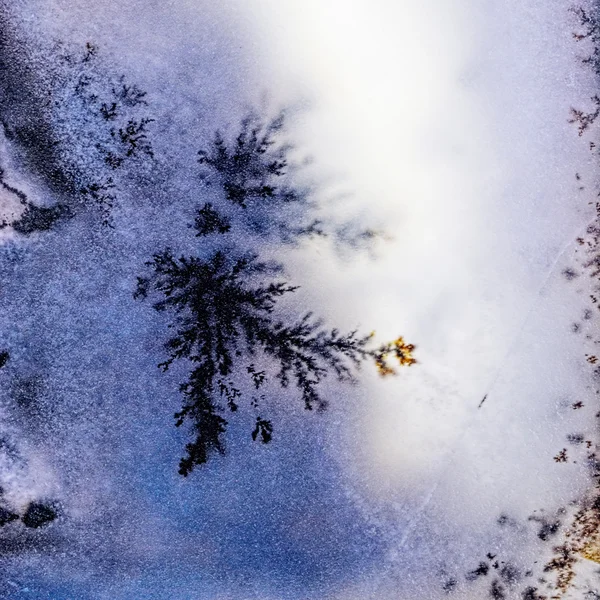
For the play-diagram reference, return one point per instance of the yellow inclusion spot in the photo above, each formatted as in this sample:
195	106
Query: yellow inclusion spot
592	552
401	350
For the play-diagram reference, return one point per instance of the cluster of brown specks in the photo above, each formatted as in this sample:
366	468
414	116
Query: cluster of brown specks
581	541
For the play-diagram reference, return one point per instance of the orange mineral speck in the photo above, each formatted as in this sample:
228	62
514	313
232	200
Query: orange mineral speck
403	352
592	552
400	350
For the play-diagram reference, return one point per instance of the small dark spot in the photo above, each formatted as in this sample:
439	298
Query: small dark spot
497	590
38	515
587	314
593	464
510	574
450	585
481	571
561	457
7	517
569	274
28	393
506	521
530	593
547	530
575	438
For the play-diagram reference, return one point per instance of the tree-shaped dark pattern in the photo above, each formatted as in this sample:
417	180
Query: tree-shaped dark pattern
227	318
225	313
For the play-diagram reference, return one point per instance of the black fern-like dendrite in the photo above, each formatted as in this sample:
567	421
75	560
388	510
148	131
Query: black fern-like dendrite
250	168
208	221
590	30
256	176
226	320
225	315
